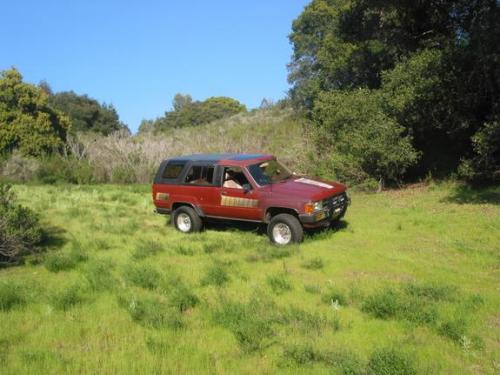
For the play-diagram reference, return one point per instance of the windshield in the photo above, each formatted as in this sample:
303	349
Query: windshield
269	172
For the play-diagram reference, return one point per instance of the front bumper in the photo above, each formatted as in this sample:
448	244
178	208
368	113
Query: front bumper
333	208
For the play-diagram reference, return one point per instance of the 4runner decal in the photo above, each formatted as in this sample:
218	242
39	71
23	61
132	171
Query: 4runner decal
238	202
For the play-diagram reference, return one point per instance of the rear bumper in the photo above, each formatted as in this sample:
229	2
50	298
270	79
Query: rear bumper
162	211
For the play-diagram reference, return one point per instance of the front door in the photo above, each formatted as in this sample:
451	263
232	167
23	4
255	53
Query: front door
238	198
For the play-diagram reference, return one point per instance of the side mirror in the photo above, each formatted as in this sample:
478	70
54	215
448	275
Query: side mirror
247	187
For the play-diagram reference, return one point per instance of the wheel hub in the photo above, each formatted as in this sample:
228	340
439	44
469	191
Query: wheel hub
184	222
282	234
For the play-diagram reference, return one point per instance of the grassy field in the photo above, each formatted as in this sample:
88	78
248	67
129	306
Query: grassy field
409	282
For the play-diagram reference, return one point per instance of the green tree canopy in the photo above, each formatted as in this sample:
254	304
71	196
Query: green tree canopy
27	121
87	114
435	62
187	112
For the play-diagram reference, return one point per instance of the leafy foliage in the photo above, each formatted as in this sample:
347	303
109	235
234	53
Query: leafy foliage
434	64
187	112
27	121
20	231
87	114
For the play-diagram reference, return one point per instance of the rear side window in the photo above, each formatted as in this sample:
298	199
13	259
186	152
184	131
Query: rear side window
200	175
173	170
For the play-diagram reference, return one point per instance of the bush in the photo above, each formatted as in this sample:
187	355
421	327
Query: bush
147	248
333	295
143	276
67	297
11	295
390	362
59	261
181	298
453	329
151	312
313	264
279	284
384	304
98	275
250	323
215	275
20	230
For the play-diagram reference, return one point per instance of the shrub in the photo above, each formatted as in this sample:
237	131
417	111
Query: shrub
301	354
147	248
59	261
384	304
279	284
215	275
98	275
20	231
182	298
453	329
313	289
11	295
143	276
390	361
305	321
390	303
67	297
250	323
432	292
151	312
344	361
313	264
333	295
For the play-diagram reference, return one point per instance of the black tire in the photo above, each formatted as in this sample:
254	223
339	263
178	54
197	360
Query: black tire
296	232
192	221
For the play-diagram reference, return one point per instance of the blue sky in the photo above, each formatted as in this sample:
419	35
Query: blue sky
138	54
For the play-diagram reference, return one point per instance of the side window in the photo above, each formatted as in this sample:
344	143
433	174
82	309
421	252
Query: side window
200	175
234	178
173	170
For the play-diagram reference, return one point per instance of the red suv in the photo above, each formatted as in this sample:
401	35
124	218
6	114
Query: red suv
248	187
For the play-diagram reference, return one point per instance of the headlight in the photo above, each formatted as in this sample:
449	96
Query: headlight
312	207
318	206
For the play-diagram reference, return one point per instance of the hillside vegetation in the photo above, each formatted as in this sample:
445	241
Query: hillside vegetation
121	158
408	282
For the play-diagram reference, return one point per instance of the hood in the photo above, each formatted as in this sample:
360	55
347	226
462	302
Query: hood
306	188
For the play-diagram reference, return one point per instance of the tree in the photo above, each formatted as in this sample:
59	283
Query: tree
87	114
435	62
358	139
187	112
27	122
180	101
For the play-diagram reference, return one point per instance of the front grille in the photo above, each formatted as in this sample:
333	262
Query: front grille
336	201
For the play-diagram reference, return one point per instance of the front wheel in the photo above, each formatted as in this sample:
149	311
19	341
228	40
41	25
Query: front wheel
285	229
186	220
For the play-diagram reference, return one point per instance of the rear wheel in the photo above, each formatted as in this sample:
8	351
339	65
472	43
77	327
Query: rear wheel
186	220
285	229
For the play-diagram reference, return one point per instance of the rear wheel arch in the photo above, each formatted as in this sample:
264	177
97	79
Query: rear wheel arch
198	210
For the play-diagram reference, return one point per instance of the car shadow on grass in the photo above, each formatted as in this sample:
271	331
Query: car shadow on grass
468	195
229	225
261	229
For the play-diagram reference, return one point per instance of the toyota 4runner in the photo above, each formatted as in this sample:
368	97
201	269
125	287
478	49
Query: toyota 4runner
247	187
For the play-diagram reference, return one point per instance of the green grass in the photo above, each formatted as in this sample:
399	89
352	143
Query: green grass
408	284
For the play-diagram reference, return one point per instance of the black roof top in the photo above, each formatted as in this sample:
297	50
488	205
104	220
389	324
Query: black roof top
217	157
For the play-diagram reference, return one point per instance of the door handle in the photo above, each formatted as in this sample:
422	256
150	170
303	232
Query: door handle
223	192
